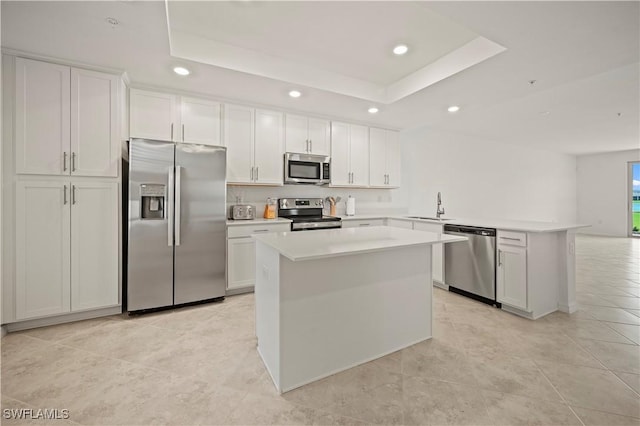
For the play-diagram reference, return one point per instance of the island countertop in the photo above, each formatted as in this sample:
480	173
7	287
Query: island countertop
297	246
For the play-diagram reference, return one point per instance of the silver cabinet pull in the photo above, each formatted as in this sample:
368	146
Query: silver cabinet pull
171	131
364	224
260	231
251	177
73	161
499	257
310	145
169	207
177	206
73	194
183	133
64	196
257	173
509	238
64	161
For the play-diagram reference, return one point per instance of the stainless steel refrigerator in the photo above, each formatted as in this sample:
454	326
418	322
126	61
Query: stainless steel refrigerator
175	248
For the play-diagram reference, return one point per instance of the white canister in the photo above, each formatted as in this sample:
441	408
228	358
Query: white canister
351	206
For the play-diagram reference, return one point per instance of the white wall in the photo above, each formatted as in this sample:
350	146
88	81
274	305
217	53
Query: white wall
487	180
603	192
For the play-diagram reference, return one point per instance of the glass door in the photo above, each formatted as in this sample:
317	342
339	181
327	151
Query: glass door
634	202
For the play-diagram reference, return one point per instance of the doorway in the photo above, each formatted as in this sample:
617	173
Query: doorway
634	202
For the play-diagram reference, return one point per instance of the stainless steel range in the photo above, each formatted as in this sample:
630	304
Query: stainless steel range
306	214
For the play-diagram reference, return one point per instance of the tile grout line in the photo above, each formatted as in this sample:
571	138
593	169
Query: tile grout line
561	396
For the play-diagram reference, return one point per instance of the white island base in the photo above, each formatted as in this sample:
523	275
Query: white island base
324	313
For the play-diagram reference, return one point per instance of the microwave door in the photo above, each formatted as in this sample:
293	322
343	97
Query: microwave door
303	171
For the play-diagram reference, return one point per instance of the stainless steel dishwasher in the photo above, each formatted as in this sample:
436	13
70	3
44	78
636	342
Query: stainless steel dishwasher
470	266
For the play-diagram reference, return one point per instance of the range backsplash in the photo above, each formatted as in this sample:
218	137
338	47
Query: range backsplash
368	201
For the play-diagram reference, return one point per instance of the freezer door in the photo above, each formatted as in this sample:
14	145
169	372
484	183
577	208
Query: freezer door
200	234
150	245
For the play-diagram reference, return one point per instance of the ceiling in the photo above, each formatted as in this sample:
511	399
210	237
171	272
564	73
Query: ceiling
583	56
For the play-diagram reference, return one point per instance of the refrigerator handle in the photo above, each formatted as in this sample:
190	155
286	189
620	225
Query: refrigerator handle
177	206
169	208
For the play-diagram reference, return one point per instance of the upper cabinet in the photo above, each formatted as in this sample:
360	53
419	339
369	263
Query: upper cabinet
66	120
384	158
167	117
255	146
349	155
307	135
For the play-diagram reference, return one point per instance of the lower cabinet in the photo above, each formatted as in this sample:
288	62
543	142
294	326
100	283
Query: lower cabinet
66	247
511	276
437	250
397	223
241	253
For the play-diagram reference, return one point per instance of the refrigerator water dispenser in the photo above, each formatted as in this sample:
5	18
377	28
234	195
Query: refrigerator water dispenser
153	201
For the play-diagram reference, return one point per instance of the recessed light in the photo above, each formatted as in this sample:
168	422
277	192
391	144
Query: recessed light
373	110
181	71
453	108
400	49
294	94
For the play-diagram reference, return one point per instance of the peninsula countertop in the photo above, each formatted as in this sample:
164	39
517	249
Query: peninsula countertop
297	246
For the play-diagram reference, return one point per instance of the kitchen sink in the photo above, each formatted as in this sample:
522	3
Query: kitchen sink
442	219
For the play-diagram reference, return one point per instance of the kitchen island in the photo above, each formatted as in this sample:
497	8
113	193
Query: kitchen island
329	300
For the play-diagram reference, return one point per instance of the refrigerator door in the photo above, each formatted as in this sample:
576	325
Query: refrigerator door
150	245
200	234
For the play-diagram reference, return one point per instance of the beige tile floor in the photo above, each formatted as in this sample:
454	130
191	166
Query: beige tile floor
199	365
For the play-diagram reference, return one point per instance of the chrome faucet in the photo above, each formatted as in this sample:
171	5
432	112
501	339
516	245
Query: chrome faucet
440	210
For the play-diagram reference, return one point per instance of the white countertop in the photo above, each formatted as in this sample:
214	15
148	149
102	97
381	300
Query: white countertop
346	241
257	221
504	224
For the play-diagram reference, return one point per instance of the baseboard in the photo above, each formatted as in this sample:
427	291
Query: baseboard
3	331
440	285
242	290
569	309
61	319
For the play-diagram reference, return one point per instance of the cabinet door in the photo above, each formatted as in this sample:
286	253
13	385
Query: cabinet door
377	157
437	250
268	148
241	260
200	120
153	115
94	245
238	138
340	171
320	136
42	248
359	155
94	125
42	118
512	276
400	223
296	135
393	159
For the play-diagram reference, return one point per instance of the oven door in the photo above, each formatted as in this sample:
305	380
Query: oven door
305	169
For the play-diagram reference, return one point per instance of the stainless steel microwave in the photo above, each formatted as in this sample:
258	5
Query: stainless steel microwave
306	169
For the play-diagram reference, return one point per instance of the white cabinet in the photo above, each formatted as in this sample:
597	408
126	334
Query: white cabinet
94	245
437	250
384	158
307	135
66	120
241	253
66	247
168	117
358	223
349	155
255	149
511	273
398	223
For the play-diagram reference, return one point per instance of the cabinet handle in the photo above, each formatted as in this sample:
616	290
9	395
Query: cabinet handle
73	194
257	173
509	238
183	133
260	231
64	196
364	224
171	131
251	179
73	161
310	145
499	257
64	161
